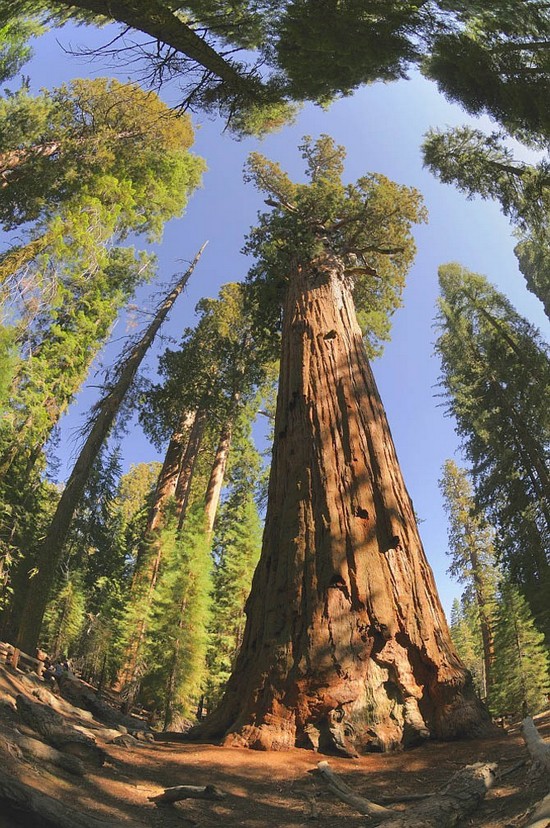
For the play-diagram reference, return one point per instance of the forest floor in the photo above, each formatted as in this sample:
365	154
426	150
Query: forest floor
263	789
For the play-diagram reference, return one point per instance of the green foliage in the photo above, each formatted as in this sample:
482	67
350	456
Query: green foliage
497	64
64	618
328	48
100	141
533	255
483	165
15	50
522	666
177	633
366	224
496	381
466	635
218	367
470	538
491	59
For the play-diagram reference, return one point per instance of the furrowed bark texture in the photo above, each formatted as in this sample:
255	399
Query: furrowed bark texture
346	645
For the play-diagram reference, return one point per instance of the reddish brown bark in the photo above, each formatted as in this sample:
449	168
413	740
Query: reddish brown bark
346	644
215	483
151	549
187	470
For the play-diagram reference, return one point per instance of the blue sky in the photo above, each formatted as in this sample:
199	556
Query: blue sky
381	127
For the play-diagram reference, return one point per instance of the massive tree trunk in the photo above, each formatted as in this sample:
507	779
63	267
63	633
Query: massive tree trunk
346	645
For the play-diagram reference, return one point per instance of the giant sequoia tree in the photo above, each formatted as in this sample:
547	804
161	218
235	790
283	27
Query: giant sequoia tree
346	644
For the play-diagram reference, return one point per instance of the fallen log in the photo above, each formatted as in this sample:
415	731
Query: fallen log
44	753
51	725
540	818
346	794
538	749
45	811
444	809
447	808
180	792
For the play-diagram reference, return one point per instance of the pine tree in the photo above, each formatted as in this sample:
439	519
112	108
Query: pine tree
64	618
484	165
496	380
105	412
522	667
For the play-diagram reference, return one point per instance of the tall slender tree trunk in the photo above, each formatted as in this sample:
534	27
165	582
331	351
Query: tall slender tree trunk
185	478
485	623
215	483
151	549
49	554
346	644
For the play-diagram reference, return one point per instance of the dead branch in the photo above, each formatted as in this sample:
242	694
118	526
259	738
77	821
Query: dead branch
444	809
540	818
538	749
180	792
345	793
36	749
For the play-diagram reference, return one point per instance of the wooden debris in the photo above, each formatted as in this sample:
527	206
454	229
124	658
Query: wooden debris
538	749
449	807
44	753
45	811
345	793
189	792
444	809
51	725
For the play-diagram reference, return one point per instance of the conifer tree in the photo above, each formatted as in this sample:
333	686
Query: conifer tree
472	554
237	548
496	380
466	635
177	630
522	665
105	412
483	165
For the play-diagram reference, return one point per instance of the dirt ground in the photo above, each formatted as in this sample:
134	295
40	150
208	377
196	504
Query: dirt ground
270	789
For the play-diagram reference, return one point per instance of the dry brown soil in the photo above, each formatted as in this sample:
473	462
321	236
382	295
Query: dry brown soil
274	789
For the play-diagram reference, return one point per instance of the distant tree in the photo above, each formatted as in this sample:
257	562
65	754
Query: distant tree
522	664
342	601
177	630
466	635
483	165
472	557
64	618
496	381
237	545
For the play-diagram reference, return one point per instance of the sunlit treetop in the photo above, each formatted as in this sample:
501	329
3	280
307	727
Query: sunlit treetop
96	139
367	224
